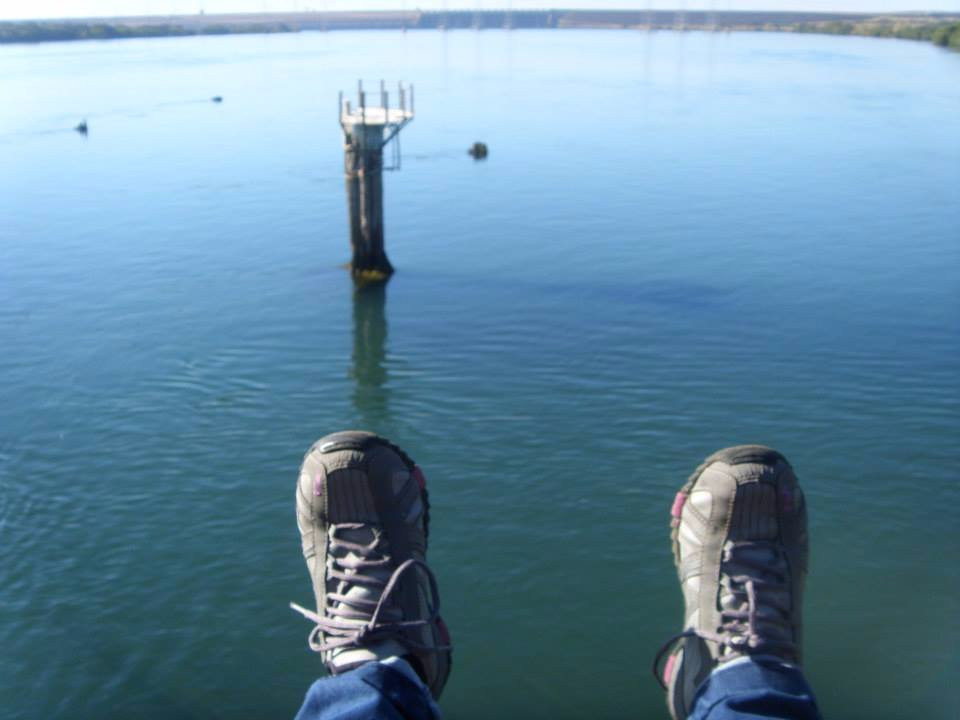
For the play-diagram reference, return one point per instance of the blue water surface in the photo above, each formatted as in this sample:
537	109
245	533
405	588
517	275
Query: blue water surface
680	241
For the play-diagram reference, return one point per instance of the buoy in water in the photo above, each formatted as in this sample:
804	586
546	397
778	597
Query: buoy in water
478	151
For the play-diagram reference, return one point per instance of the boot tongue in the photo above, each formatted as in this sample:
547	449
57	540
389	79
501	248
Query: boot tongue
364	593
770	591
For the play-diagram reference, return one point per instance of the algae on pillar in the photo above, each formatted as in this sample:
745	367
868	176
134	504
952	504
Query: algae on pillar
368	128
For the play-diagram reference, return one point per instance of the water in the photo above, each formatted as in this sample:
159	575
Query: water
679	242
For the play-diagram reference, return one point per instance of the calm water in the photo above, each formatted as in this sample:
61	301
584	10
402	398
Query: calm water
678	242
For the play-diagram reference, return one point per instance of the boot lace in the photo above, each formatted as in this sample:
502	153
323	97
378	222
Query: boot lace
352	621
755	606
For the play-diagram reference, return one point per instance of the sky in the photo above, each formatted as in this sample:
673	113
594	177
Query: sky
23	9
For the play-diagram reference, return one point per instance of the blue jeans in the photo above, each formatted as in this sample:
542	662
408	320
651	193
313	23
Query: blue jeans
746	690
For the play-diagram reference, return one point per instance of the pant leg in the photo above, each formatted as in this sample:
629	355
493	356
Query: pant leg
755	689
375	690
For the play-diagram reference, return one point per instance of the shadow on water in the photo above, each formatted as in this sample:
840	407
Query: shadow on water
370	395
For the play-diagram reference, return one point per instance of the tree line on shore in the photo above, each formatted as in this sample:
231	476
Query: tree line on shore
43	31
940	30
944	34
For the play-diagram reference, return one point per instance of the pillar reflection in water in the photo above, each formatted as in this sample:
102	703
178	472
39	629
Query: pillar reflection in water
369	371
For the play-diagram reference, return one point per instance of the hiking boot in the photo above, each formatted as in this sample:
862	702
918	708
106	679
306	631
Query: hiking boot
363	515
739	533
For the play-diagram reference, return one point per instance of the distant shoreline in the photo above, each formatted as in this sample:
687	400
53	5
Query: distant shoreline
942	29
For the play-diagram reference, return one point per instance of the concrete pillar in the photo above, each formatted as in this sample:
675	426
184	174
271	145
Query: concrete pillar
363	165
366	131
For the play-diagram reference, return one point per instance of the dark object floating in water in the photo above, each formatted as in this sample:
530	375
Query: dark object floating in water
478	151
217	98
82	127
